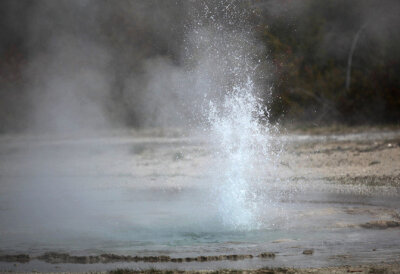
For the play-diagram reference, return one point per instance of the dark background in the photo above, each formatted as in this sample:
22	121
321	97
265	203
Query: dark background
307	43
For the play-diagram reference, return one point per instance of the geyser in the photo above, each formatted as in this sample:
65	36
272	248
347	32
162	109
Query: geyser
233	116
241	146
204	177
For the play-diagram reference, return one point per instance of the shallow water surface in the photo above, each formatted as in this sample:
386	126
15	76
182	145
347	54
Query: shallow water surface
155	196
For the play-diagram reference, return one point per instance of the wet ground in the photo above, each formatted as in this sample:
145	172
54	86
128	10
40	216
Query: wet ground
145	200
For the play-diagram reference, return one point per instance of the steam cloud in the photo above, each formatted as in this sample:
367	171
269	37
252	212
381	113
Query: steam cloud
94	64
77	65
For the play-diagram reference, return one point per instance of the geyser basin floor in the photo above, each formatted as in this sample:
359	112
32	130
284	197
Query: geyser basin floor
141	195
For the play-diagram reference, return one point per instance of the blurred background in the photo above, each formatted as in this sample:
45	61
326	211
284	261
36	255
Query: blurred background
101	64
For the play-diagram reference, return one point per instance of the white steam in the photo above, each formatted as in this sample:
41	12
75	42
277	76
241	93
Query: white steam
70	83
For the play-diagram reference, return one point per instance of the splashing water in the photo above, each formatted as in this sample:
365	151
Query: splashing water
241	147
225	57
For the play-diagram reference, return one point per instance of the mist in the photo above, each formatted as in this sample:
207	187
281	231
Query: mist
74	65
107	85
143	126
85	62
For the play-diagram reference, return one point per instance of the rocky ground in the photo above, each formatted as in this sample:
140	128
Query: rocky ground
366	156
373	269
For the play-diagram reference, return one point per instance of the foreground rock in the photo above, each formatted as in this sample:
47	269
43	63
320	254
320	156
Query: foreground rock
62	258
381	224
384	268
21	258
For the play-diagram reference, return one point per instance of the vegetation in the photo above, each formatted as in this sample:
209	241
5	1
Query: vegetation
310	52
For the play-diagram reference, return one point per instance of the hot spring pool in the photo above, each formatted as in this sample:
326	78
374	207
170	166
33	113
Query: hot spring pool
155	197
